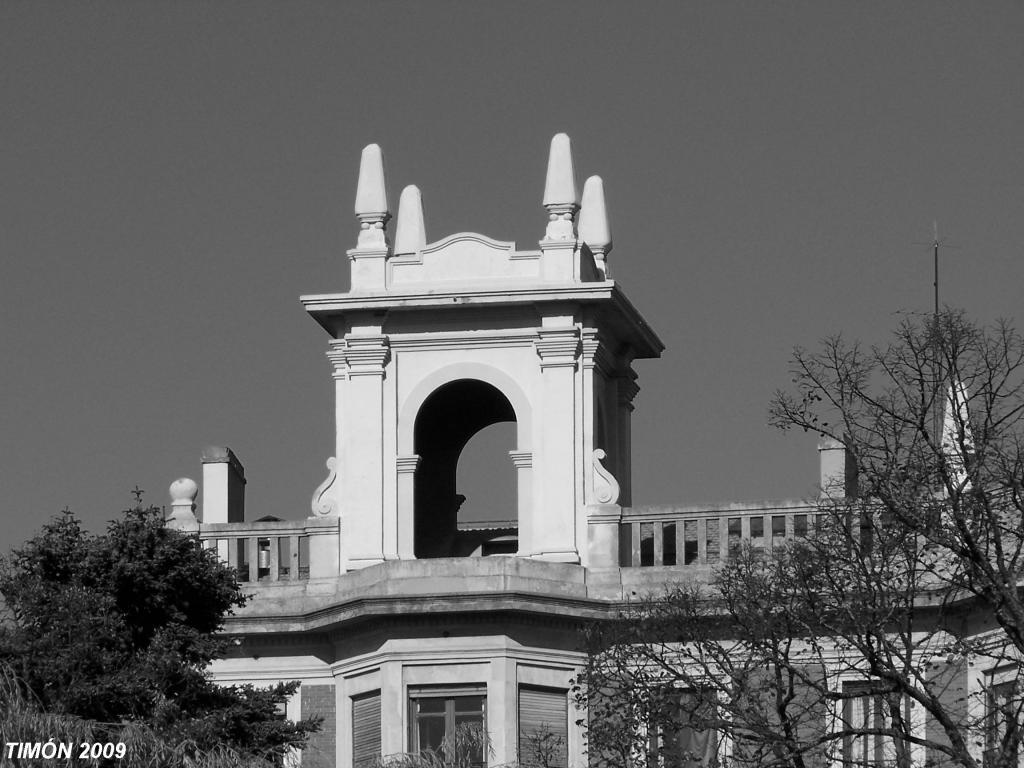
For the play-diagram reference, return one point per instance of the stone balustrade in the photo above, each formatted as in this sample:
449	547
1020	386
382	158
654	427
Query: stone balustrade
704	535
276	550
297	550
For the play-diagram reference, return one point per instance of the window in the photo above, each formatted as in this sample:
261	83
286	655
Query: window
687	741
757	534
800	526
778	530
1002	716
690	549
543	727
646	544
448	718
867	710
668	555
365	729
735	532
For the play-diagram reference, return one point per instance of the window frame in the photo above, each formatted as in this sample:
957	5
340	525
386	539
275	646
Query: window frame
448	693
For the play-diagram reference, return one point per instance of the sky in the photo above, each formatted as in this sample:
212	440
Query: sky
174	175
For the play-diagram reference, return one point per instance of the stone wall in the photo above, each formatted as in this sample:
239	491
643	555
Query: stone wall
319	700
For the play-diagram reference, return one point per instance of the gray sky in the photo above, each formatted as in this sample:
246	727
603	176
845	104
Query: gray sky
174	175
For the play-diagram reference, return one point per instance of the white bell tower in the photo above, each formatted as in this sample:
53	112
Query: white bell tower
436	341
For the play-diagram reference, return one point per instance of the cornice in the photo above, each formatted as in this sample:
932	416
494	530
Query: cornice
644	343
358	609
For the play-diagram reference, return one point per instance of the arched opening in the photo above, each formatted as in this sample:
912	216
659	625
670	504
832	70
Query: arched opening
446	422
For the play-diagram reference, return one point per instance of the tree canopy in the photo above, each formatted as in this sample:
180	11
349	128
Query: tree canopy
120	627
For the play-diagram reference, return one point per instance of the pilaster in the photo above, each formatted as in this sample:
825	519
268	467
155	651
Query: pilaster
361	441
523	462
405	468
555	518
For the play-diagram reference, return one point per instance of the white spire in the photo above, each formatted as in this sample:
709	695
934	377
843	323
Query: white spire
560	197
372	198
410	234
956	427
593	226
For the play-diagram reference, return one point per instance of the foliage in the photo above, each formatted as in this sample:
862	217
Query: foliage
463	748
119	628
896	595
460	749
23	722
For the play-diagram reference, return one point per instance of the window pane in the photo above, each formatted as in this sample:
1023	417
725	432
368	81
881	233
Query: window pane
430	732
469	704
688	745
430	705
669	544
735	532
646	544
690	542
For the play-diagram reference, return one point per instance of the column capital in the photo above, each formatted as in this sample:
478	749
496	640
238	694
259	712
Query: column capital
593	353
336	354
521	459
557	347
628	388
366	355
407	464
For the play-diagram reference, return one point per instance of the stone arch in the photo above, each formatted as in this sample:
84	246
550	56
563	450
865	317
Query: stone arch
437	421
485	373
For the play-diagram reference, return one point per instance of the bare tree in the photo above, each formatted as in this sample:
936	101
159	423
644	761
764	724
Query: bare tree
855	643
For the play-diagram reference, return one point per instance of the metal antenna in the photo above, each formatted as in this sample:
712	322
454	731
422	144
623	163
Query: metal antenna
935	259
936	362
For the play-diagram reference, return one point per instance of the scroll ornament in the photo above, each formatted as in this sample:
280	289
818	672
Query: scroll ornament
323	500
606	487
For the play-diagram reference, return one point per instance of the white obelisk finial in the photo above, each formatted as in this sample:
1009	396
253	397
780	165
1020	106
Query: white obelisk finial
560	190
957	437
594	228
372	199
410	234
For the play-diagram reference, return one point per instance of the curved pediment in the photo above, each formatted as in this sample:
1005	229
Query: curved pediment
464	257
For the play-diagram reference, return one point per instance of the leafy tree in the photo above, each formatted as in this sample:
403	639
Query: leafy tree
120	628
898	591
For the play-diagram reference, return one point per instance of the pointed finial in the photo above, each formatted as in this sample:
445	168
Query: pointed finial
560	189
410	234
957	437
594	228
372	198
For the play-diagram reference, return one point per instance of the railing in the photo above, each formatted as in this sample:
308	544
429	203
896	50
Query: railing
275	550
691	536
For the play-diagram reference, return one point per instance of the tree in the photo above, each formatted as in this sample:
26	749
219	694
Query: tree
898	591
120	628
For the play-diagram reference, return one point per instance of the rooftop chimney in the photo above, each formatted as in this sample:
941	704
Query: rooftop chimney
838	470
223	486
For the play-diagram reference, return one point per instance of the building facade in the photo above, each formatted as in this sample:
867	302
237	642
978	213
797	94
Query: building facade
402	620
